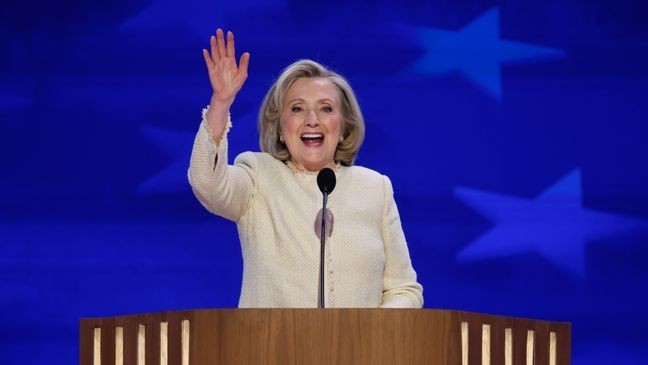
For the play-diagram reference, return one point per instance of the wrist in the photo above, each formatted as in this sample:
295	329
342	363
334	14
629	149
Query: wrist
217	117
220	103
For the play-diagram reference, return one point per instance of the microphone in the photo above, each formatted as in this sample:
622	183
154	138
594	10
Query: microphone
326	183
326	180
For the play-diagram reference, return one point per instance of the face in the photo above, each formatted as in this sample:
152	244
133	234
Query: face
311	123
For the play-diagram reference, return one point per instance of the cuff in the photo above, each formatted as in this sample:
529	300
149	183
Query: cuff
210	132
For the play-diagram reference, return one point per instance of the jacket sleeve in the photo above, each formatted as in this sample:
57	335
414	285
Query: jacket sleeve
221	188
400	288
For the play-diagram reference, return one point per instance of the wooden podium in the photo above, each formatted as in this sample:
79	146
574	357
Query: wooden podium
322	336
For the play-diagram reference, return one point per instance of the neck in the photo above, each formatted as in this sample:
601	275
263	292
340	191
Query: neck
311	168
301	169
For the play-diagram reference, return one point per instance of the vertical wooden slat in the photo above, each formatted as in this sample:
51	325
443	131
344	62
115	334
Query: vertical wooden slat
552	348
486	345
96	346
464	343
530	347
164	343
185	341
119	345
508	346
141	344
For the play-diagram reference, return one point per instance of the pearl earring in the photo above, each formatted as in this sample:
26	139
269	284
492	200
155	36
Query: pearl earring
341	138
281	138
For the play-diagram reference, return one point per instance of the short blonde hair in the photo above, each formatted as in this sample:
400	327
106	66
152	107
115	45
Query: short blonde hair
353	127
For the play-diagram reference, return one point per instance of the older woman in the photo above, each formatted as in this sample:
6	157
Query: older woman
309	120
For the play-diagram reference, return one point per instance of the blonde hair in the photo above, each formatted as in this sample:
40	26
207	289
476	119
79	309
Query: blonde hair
353	127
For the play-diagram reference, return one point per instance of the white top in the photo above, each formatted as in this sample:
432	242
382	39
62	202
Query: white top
367	262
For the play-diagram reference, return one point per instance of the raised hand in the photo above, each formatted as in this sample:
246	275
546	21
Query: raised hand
226	79
225	76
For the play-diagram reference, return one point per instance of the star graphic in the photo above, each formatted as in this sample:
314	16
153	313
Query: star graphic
172	178
477	51
177	145
555	225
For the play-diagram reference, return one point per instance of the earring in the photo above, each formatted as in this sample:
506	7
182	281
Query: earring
341	138
281	138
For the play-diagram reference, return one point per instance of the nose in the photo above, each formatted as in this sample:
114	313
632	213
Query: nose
311	119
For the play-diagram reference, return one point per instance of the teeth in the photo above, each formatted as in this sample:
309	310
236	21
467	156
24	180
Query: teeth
312	135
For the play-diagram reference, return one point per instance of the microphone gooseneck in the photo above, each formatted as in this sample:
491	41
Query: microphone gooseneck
326	183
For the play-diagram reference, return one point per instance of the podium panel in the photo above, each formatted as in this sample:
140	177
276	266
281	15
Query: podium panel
322	336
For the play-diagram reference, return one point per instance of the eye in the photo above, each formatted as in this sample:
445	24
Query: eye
327	109
295	109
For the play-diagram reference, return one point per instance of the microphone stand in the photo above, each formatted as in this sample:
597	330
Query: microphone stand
322	245
326	184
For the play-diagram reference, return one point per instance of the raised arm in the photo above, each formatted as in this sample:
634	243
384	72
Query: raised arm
221	188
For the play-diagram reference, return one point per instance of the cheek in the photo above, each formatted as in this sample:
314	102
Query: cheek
286	124
332	122
336	124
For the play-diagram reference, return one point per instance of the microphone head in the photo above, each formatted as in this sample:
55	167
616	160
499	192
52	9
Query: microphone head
326	180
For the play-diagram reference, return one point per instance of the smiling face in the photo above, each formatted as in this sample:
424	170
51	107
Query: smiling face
311	123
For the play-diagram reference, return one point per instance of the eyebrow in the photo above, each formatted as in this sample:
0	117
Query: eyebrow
319	100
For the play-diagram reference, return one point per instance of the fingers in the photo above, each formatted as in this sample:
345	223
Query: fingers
214	49
243	63
222	55
221	49
208	60
230	45
220	44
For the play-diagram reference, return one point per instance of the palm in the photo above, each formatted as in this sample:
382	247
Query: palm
225	76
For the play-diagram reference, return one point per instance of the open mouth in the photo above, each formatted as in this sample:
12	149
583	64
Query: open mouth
312	139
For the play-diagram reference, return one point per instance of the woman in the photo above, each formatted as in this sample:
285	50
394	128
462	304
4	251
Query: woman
309	120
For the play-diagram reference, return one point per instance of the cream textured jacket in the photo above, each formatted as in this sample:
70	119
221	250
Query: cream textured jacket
275	208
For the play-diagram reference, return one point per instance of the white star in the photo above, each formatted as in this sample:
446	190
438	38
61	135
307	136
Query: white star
177	146
173	178
555	225
476	51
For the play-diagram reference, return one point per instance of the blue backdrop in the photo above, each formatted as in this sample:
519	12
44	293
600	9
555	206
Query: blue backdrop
514	133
